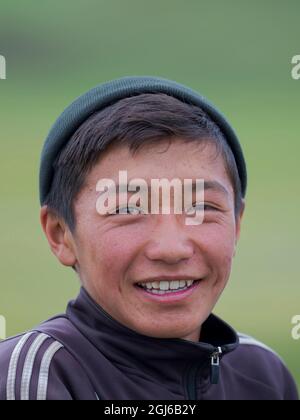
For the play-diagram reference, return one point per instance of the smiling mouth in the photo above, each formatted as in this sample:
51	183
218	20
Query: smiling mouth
167	287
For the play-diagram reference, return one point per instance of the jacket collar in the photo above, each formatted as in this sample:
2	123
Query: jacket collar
157	357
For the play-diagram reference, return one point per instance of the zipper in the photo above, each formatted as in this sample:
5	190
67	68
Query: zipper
190	378
215	366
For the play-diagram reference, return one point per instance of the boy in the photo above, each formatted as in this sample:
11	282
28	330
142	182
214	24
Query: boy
142	326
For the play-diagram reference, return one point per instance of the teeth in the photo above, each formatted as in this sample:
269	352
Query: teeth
164	286
174	285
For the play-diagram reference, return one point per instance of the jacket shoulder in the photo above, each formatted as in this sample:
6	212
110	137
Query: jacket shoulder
35	366
261	365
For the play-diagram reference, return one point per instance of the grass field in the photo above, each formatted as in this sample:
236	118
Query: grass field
238	55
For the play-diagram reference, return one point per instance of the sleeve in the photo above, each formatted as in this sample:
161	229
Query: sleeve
36	367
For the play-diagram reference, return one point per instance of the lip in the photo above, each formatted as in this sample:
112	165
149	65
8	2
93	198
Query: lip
169	297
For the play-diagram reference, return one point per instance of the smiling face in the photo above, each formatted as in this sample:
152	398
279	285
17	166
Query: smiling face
113	253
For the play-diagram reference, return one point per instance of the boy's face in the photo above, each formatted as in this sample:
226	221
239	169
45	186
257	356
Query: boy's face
114	252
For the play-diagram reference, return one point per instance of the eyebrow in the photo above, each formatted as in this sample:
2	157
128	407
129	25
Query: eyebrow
208	185
215	185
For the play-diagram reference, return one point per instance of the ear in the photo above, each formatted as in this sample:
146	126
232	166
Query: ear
59	237
238	224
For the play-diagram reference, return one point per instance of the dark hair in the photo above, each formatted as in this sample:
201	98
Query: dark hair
134	121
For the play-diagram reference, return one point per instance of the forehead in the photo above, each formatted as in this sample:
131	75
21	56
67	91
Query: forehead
166	159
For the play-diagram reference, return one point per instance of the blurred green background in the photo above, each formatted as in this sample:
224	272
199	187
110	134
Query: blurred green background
238	54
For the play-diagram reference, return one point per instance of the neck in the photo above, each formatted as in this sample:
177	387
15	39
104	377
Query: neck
193	336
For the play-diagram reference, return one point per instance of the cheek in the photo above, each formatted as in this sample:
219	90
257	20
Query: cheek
109	254
114	252
218	244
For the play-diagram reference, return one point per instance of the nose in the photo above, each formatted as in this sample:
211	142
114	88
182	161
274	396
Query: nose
169	241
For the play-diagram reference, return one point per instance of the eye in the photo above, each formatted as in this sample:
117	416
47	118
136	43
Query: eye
200	207
127	210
